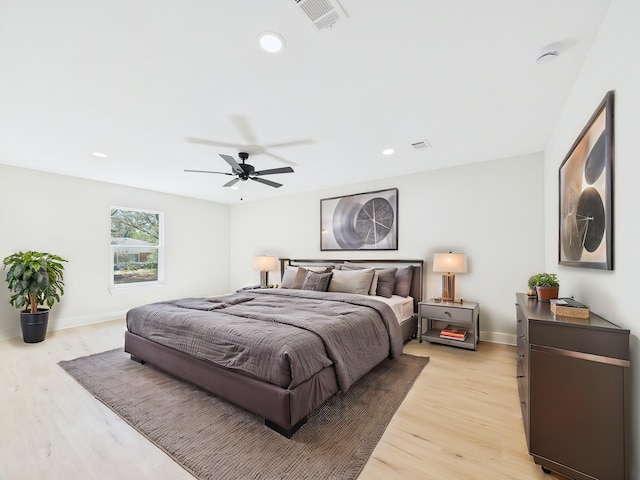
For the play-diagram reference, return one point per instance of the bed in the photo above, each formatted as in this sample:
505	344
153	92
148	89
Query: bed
313	342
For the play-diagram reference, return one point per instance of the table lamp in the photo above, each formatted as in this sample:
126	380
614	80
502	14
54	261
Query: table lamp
265	264
449	264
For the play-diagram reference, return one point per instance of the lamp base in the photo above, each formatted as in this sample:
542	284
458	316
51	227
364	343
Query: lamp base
448	287
264	279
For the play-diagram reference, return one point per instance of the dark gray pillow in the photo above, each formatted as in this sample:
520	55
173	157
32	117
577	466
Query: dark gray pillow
402	284
386	282
318	282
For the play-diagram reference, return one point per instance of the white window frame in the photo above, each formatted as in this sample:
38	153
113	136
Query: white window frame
159	247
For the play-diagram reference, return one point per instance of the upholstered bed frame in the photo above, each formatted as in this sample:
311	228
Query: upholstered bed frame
284	410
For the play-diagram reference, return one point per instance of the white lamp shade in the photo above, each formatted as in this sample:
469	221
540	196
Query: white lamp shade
449	263
264	263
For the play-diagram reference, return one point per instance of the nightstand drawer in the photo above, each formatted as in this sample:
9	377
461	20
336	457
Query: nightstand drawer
447	313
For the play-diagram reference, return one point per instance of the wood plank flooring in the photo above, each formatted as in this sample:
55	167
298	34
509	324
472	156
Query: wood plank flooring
461	420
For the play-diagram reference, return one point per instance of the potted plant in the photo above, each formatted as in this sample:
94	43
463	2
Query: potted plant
35	279
546	285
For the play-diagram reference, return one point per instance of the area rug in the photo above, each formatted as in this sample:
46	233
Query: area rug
213	439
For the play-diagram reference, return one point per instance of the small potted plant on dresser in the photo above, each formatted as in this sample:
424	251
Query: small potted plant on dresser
35	279
546	285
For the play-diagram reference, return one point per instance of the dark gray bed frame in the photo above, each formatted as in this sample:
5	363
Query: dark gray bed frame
284	410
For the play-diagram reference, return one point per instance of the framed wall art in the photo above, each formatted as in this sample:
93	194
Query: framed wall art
363	221
586	194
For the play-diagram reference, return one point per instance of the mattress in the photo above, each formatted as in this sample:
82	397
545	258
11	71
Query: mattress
402	306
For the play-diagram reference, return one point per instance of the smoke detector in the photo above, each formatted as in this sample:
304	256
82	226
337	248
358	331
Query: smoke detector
322	14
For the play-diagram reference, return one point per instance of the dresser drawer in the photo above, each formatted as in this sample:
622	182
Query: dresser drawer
447	313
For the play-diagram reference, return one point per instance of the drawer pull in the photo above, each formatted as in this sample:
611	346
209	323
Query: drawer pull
447	313
520	376
521	356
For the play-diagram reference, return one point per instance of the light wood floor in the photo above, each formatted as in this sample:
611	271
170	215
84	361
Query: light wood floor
461	420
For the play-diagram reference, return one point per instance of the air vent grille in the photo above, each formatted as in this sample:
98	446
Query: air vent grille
421	145
315	8
321	13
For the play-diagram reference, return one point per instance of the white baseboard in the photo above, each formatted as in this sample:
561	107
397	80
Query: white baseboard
498	337
62	323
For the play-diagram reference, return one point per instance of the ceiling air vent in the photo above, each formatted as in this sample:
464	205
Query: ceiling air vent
421	145
321	13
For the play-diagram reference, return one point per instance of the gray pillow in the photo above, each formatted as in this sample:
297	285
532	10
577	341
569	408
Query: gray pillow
354	266
293	277
384	279
351	281
402	284
386	282
318	282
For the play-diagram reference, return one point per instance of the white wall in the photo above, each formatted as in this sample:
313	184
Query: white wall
491	211
611	65
70	217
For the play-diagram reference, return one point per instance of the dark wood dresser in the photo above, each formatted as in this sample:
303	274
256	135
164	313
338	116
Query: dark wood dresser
574	384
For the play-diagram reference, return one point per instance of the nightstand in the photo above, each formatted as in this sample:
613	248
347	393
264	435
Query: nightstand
437	315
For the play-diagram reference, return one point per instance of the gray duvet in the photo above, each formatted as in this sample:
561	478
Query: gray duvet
279	336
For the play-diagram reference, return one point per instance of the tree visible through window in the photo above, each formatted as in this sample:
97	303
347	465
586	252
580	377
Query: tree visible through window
136	246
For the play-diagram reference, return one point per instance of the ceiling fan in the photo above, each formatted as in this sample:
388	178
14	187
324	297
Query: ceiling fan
243	171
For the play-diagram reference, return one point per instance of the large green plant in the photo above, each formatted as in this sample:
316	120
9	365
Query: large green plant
35	278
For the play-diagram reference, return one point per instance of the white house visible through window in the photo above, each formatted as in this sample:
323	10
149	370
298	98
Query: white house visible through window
136	246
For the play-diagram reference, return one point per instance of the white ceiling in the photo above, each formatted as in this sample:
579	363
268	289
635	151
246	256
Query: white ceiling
137	79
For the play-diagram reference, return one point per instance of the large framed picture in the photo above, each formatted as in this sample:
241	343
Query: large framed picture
586	194
363	221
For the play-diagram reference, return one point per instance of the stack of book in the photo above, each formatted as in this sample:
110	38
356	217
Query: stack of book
453	333
568	307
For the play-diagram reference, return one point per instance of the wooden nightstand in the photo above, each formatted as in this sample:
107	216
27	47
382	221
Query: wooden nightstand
438	315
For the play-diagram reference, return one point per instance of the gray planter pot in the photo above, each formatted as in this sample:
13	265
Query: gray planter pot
34	325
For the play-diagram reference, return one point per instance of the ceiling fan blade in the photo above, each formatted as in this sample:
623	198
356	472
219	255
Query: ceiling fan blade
203	141
266	182
208	171
242	125
280	159
231	183
273	171
231	161
293	143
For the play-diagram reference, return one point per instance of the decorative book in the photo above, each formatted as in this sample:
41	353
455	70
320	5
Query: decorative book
453	333
568	307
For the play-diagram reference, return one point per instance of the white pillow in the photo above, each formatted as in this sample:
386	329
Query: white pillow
351	281
293	277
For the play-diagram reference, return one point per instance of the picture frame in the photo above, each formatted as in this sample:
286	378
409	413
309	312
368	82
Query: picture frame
585	236
362	221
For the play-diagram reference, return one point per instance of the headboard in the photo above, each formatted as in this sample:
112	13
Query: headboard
416	290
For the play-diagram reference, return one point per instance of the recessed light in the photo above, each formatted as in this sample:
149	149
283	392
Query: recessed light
271	42
100	155
388	151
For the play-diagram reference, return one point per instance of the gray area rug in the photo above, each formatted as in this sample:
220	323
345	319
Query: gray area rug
213	439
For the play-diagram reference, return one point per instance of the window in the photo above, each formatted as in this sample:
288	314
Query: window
136	246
